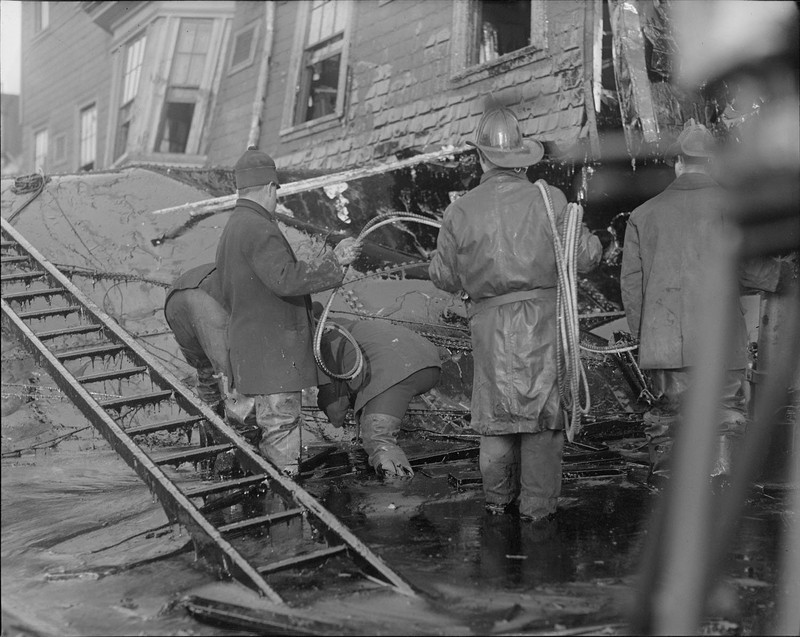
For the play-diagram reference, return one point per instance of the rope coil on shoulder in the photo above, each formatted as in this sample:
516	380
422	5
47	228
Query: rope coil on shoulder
573	385
371	226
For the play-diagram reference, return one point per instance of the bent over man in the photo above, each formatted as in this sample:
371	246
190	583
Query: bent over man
496	245
398	365
267	292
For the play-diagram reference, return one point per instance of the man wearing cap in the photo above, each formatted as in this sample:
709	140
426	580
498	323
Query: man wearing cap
496	245
398	365
670	241
267	292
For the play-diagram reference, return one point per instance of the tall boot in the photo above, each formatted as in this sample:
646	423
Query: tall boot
722	465
379	436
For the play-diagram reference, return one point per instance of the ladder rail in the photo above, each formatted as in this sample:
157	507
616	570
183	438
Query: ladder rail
249	459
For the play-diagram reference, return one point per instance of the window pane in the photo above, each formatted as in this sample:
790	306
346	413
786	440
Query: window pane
190	53
323	85
175	127
503	26
40	150
88	138
123	127
134	56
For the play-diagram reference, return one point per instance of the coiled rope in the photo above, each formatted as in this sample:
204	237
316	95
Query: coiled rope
371	226
573	386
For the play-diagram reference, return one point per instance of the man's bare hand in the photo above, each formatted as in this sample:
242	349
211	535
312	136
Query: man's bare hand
347	250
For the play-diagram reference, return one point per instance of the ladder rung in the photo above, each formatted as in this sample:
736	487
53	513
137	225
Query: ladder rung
139	399
22	276
167	425
18	259
224	485
114	375
261	520
68	331
32	294
302	560
190	455
53	311
99	350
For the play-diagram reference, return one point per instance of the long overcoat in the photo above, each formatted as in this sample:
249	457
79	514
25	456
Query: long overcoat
496	245
266	289
670	241
391	352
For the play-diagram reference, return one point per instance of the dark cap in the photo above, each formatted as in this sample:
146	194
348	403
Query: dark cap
255	168
695	140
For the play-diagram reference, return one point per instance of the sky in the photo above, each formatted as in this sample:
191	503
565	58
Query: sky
9	45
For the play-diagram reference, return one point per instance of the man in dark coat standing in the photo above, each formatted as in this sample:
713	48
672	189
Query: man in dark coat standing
266	289
496	245
670	242
398	365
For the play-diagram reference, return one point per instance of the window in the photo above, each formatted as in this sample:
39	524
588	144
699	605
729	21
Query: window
321	76
40	150
244	48
488	31
134	56
41	16
185	79
88	138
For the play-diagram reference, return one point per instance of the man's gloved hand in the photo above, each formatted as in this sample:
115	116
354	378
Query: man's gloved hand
347	250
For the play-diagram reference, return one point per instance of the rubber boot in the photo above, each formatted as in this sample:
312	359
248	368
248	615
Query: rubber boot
720	474
379	436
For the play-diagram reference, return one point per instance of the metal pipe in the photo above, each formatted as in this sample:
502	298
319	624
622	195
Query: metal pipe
263	76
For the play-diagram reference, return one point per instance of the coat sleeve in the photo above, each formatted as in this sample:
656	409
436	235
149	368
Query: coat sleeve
279	271
630	281
442	270
590	250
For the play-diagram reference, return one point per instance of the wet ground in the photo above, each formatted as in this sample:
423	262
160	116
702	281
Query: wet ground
86	551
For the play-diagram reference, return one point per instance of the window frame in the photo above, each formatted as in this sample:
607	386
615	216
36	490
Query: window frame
289	129
41	16
82	138
161	21
256	28
463	73
122	104
42	130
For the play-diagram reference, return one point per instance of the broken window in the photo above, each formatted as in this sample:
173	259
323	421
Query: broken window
88	138
501	26
134	56
40	150
320	86
185	79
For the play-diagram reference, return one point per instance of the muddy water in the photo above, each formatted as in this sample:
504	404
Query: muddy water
86	551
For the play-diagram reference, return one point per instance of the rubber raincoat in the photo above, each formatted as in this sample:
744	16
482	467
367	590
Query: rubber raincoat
496	245
266	290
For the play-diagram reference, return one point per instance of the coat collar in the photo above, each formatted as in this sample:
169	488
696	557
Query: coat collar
257	208
693	181
503	172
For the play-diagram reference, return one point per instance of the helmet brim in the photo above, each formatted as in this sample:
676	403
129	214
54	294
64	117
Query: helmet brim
531	153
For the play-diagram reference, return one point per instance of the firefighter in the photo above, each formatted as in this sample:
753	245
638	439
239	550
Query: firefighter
670	242
267	292
495	244
398	365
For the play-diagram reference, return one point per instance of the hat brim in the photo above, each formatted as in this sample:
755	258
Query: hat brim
531	153
675	149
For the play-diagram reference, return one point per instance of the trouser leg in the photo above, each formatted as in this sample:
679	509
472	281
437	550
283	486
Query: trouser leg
661	421
279	418
540	473
499	463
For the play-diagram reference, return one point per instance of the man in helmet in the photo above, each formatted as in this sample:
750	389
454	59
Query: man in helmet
267	292
398	365
670	242
496	245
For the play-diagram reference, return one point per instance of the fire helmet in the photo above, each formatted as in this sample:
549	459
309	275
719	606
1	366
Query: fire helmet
500	139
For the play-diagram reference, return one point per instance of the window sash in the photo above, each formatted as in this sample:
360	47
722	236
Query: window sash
88	138
41	15
40	150
134	58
